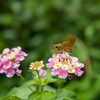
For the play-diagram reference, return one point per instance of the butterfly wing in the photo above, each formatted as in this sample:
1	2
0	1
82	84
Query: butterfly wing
68	44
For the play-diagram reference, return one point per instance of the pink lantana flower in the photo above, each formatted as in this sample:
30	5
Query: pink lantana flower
62	74
63	65
6	51
57	65
20	57
16	64
71	70
0	62
2	70
7	64
50	64
78	72
81	65
42	73
18	72
10	72
10	61
23	53
55	72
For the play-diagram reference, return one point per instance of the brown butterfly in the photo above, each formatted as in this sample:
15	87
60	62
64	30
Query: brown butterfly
66	46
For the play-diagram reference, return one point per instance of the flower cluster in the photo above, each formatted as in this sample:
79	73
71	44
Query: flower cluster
63	65
36	66
10	61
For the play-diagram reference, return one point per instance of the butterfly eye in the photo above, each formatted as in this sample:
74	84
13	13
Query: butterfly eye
56	47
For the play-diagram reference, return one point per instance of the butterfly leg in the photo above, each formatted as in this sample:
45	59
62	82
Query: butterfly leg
56	52
65	56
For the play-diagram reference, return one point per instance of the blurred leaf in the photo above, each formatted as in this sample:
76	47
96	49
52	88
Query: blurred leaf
84	89
89	32
65	95
95	53
80	51
35	41
11	98
9	34
32	56
22	92
7	19
44	96
49	88
41	24
95	65
16	7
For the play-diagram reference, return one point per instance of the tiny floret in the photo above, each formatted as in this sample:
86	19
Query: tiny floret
42	73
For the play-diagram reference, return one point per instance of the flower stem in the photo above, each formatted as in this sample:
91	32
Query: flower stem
22	78
60	84
30	88
40	82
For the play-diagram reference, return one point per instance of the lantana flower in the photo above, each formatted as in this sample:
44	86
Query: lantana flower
64	65
10	61
62	74
36	66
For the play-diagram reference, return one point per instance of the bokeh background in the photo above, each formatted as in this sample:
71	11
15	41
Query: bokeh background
36	25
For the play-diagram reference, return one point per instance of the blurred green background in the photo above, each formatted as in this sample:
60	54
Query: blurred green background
36	25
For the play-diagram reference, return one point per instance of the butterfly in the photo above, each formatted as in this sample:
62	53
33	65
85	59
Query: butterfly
66	46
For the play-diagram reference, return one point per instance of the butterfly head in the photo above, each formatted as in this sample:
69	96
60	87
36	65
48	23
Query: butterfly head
56	46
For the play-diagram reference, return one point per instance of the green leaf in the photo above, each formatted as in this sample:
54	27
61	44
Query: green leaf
49	88
44	96
23	91
35	96
48	79
48	95
11	98
65	95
